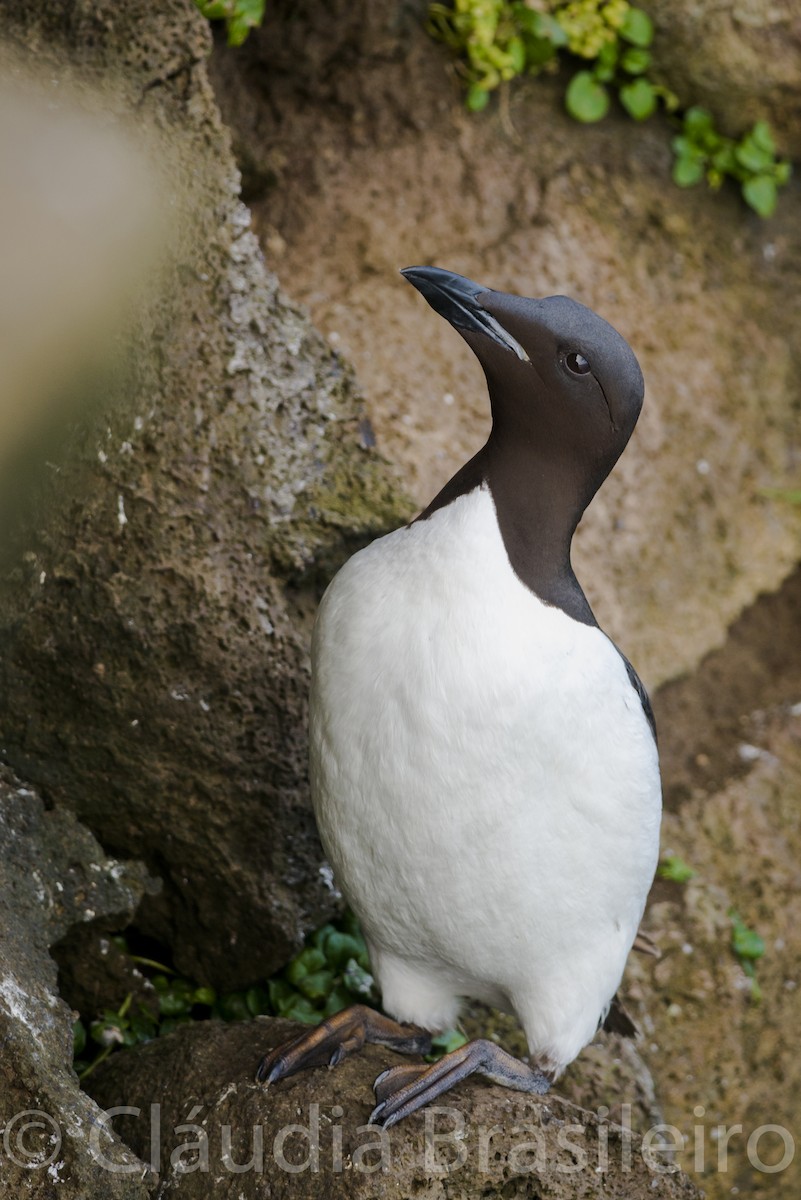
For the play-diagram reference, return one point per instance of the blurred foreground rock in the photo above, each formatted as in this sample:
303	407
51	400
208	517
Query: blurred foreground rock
224	1135
53	875
155	605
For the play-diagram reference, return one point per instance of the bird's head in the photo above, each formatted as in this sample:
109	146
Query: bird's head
563	383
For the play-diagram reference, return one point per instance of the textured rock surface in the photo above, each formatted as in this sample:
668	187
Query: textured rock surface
53	874
494	1143
154	616
742	60
382	167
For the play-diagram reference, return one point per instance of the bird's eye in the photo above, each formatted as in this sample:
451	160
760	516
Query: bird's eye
577	364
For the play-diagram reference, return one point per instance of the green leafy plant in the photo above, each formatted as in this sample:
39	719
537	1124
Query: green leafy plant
749	947
498	40
132	1023
240	16
702	152
329	973
501	39
676	869
619	48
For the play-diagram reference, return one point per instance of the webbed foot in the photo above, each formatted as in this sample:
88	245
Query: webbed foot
402	1090
335	1038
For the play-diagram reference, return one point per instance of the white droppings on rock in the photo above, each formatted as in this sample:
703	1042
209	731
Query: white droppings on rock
327	876
121	517
16	1002
748	753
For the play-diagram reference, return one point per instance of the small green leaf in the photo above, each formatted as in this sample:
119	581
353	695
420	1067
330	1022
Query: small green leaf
698	122
213	10
752	157
723	160
247	15
635	61
782	172
639	99
637	28
337	1000
683	147
477	97
746	943
586	99
763	138
545	26
318	938
538	52
687	172
174	1003
257	1000
204	995
339	947
760	194
316	985
280	992
302	1010
608	55
517	55
676	869
310	959
450	1039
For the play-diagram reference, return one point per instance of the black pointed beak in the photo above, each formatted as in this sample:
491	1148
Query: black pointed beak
457	300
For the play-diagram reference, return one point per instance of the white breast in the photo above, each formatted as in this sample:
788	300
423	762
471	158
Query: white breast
485	782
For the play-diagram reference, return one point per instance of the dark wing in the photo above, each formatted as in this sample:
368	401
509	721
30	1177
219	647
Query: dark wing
617	1020
637	684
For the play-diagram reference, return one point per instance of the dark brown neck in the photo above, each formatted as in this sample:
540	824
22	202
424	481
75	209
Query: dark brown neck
538	506
537	516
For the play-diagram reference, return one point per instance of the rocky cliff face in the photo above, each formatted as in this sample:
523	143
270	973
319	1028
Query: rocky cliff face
155	607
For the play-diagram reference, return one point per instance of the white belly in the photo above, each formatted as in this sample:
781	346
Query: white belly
485	782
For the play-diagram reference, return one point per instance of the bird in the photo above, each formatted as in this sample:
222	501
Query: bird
483	758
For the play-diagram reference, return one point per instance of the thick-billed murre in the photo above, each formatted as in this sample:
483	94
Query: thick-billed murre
483	759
